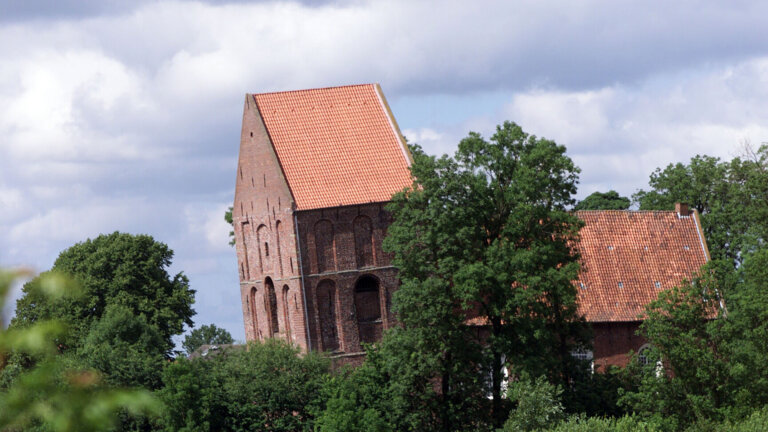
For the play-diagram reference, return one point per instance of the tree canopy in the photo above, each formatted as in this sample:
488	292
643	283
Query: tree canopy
610	200
206	335
484	240
117	269
729	195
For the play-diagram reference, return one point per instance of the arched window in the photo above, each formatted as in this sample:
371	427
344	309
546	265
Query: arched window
363	229
368	309
270	300
286	314
326	259
278	227
262	243
326	308
254	315
244	227
643	354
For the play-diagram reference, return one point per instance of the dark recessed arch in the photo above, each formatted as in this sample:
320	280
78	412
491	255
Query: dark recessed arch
254	315
326	308
368	308
270	301
326	259
363	230
286	313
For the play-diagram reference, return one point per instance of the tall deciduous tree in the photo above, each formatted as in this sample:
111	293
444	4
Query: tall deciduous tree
206	335
610	200
730	196
710	336
51	396
484	246
115	269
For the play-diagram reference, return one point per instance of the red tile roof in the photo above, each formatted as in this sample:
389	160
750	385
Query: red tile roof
628	257
337	146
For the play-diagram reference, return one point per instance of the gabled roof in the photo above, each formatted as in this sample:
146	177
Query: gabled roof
337	146
628	257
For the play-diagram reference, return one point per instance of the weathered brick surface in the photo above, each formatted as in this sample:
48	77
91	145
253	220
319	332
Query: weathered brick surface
266	238
348	262
613	342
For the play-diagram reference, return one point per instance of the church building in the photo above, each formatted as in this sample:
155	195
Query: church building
315	170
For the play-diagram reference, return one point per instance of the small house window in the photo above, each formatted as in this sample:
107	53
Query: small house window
642	356
658	284
610	247
621	284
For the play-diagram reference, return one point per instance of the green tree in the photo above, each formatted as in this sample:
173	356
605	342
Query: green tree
610	200
50	395
394	390
710	337
128	350
228	219
115	269
268	386
206	335
537	405
729	196
486	236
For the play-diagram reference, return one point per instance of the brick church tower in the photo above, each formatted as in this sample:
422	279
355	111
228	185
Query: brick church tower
315	169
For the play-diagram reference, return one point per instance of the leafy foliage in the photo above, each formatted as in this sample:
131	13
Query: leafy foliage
713	357
730	196
50	394
391	391
228	219
115	269
485	235
610	200
537	405
125	348
206	335
267	386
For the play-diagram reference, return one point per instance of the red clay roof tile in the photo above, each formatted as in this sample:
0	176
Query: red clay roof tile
628	257
337	146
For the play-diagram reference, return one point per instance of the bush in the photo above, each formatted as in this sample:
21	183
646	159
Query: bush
264	386
538	405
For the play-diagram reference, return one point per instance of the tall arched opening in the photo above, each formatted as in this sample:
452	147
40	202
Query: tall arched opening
286	314
270	300
326	308
254	315
368	309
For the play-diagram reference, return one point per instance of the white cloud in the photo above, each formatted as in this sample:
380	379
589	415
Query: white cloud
619	134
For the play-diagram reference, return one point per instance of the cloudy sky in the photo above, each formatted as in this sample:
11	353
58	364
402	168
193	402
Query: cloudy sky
125	115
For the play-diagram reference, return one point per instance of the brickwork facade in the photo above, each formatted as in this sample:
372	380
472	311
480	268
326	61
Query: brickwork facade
265	240
348	279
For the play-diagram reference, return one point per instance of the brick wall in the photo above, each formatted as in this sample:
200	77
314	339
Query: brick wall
348	279
265	239
613	341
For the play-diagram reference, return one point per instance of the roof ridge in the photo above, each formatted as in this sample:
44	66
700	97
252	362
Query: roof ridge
313	89
627	211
